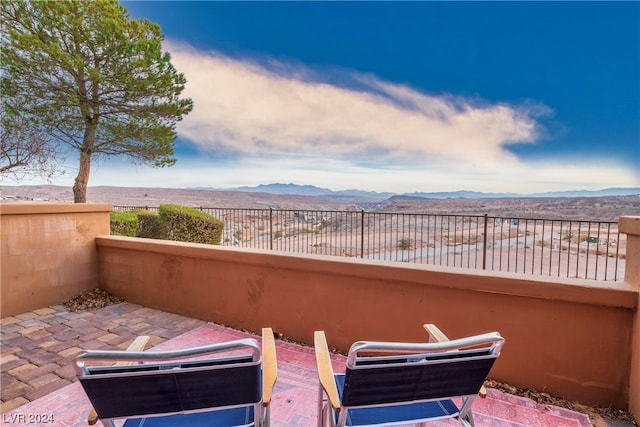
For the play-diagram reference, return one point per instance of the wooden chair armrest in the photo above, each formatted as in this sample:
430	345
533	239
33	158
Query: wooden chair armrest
325	371
138	344
437	335
269	365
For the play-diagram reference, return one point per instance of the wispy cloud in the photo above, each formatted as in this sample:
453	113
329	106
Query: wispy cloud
255	108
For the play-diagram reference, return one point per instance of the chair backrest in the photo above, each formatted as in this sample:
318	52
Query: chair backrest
410	372
172	383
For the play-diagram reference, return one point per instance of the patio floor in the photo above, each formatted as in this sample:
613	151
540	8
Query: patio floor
38	380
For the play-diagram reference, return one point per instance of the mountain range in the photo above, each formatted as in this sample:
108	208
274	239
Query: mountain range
311	190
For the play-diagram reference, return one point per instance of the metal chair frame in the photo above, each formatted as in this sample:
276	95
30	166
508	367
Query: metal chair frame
135	367
369	371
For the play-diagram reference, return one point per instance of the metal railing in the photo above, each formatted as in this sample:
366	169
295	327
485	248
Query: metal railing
563	248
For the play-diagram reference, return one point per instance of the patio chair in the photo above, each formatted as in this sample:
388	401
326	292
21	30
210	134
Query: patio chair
390	383
224	384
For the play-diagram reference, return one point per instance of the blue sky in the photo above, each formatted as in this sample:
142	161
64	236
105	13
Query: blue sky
401	96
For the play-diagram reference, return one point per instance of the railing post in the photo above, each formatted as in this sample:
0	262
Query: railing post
484	243
270	228
362	233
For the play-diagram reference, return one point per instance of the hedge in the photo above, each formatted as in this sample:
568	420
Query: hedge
149	225
184	224
171	222
123	223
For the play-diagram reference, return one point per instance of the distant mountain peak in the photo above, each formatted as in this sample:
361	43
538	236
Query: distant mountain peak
312	190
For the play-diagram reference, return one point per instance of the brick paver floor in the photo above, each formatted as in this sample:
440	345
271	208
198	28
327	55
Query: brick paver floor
294	400
37	347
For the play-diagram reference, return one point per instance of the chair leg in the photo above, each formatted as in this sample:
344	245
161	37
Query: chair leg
342	417
327	416
466	415
265	416
320	407
467	420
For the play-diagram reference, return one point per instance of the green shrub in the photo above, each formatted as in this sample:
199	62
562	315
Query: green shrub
149	225
186	224
123	223
171	222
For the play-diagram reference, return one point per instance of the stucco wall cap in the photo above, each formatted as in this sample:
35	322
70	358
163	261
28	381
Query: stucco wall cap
52	208
629	225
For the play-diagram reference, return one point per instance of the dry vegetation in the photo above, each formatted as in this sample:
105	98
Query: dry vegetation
596	415
135	196
90	300
606	208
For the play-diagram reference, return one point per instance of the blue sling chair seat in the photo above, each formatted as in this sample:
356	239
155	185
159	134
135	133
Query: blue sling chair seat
224	384
391	383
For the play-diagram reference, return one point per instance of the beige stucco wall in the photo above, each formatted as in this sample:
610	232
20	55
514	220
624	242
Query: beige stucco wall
634	387
571	338
48	252
631	226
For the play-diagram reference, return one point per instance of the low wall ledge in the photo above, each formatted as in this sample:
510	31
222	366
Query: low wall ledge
52	208
619	295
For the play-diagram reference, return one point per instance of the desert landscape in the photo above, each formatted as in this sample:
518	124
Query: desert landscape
137	196
554	236
604	208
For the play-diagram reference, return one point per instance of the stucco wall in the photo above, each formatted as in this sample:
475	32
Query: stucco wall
634	387
48	252
631	226
568	337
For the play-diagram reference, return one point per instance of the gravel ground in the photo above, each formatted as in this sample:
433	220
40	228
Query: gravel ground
91	300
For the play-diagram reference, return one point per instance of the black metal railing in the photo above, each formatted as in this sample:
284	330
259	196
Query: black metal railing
562	248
